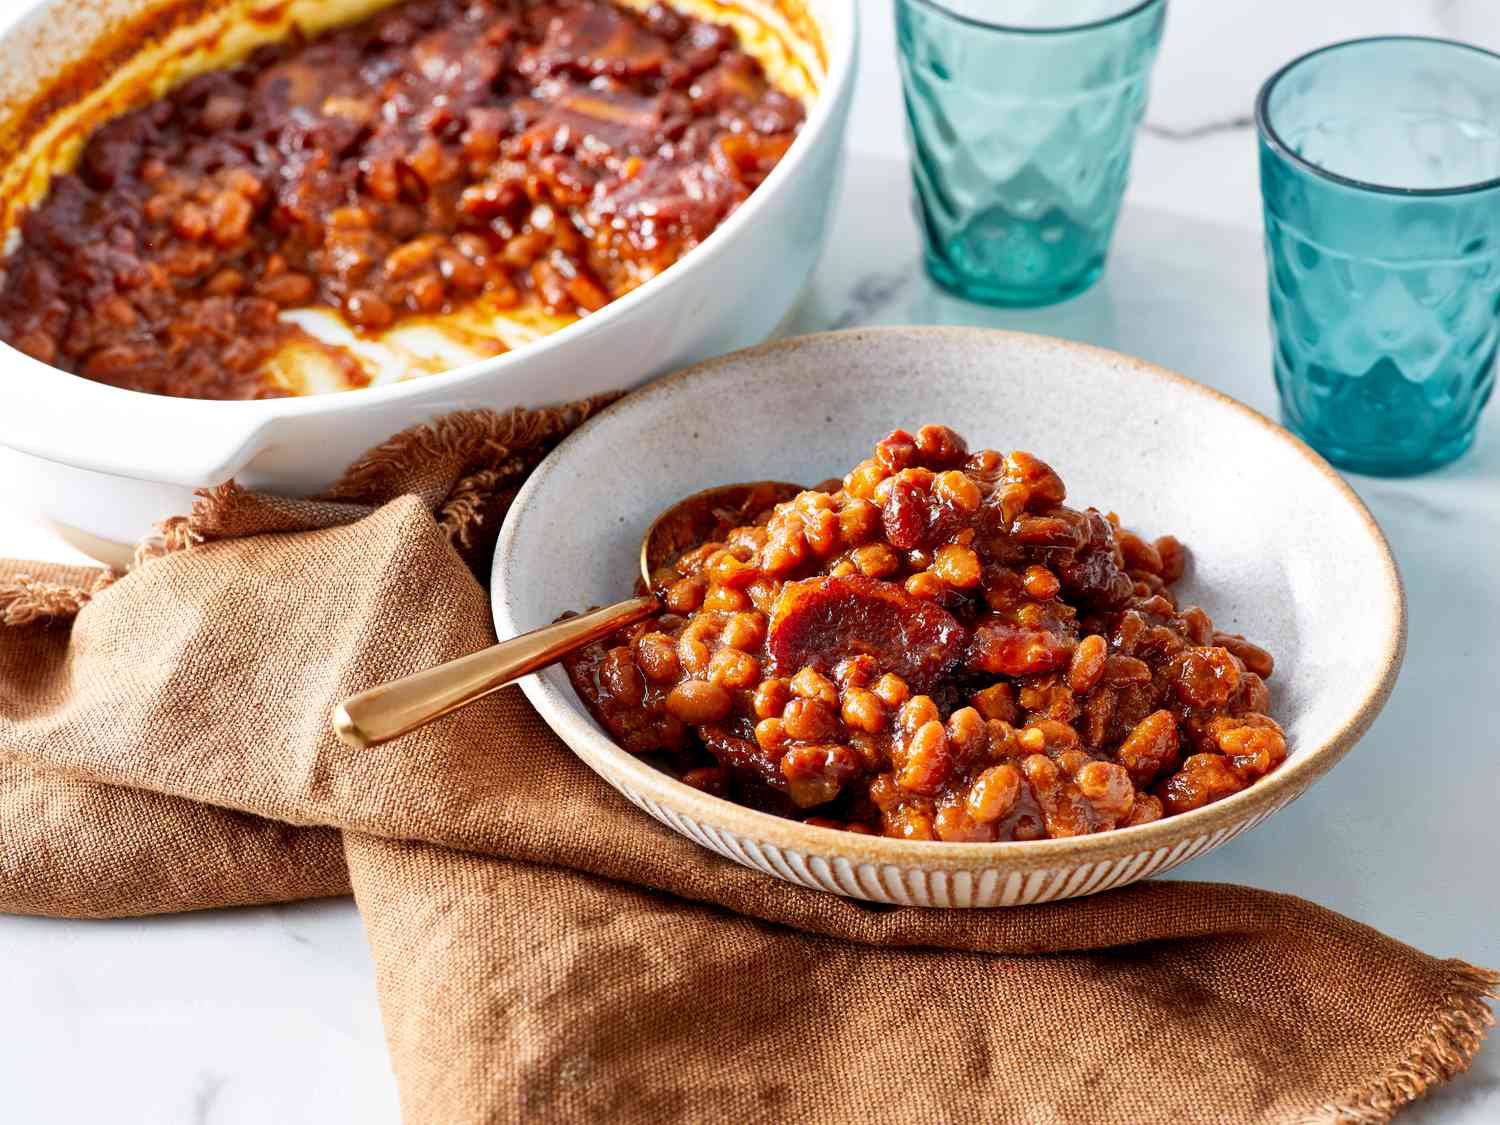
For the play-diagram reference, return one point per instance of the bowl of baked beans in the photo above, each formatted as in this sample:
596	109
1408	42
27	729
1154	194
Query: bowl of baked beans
1017	640
255	239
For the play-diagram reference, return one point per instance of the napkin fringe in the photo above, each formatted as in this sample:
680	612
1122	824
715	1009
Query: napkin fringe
178	533
463	434
1445	1049
487	442
465	507
25	600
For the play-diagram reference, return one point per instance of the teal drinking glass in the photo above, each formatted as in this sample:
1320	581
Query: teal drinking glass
1380	176
1021	116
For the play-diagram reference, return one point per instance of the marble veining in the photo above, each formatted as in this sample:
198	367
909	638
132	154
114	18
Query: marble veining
205	1093
871	295
269	1014
1196	132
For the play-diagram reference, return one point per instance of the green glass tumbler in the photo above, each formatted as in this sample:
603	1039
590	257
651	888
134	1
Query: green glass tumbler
1380	178
1021	115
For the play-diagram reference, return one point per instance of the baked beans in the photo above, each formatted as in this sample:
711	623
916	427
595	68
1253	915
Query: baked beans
939	648
551	152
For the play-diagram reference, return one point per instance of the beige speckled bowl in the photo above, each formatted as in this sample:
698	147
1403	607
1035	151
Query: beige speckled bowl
1282	551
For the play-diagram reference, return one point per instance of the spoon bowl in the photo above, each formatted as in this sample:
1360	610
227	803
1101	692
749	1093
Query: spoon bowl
704	517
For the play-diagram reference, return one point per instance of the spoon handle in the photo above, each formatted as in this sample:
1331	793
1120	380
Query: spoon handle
390	710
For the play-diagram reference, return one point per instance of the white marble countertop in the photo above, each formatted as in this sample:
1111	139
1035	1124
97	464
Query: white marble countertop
270	1014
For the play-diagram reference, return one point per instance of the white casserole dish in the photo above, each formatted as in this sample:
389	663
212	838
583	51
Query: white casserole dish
102	465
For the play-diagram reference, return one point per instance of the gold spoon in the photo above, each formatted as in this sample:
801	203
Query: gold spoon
390	710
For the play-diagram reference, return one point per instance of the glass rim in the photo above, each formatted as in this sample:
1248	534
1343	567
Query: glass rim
941	7
1273	139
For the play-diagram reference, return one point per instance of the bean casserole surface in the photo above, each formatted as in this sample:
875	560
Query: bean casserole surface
938	648
543	153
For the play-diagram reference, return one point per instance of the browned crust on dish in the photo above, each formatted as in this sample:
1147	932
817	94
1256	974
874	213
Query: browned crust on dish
114	48
796	17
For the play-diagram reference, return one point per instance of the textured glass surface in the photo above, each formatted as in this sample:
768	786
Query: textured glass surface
1021	138
1378	163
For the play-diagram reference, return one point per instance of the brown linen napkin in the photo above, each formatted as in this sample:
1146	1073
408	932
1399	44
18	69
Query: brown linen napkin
546	952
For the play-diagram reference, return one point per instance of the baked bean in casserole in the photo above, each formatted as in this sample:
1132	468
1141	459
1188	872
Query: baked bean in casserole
547	153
